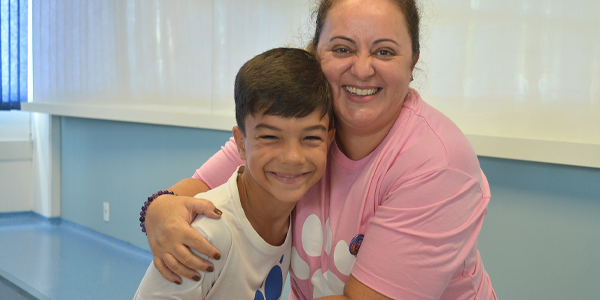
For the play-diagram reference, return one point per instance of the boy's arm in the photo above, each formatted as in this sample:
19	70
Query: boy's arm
154	286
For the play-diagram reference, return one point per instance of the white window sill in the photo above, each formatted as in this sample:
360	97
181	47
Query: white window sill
159	115
546	151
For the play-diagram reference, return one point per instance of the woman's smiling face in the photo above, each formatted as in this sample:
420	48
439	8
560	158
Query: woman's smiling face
366	54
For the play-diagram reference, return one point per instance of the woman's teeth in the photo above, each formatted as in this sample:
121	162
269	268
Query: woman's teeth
361	92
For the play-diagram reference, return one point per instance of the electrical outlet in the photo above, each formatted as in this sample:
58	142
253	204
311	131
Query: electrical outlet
106	212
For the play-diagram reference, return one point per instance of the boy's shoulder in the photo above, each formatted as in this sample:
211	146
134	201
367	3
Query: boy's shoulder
218	196
217	231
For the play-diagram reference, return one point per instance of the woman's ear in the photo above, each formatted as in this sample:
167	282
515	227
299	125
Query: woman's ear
238	136
414	63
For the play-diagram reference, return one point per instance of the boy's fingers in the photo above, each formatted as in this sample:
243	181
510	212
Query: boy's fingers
165	271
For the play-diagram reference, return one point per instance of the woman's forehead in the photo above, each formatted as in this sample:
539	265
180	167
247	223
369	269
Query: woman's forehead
364	18
362	6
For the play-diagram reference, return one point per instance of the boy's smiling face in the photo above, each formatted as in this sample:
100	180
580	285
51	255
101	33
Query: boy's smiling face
284	156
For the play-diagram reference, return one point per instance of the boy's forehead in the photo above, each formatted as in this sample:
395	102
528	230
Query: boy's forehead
262	118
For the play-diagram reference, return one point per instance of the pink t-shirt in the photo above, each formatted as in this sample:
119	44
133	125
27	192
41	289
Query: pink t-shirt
419	200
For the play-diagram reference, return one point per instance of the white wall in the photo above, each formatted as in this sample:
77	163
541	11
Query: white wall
154	53
16	181
513	75
46	164
16	185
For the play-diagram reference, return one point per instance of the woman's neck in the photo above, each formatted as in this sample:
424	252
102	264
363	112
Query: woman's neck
357	144
269	217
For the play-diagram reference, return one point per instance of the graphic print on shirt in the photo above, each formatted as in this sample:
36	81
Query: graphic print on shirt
273	284
315	244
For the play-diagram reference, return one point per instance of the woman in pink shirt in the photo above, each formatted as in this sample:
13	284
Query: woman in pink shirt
401	204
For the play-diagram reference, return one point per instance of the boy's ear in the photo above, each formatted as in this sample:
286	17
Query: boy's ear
330	136
238	136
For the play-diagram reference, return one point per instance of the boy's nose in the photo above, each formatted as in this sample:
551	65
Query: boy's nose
292	154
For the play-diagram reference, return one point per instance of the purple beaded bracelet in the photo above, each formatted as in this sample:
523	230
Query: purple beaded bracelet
147	203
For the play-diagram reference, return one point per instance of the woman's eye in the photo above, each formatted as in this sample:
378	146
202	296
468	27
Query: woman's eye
384	53
341	50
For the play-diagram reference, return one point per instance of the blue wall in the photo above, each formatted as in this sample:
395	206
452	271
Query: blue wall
124	163
541	236
540	240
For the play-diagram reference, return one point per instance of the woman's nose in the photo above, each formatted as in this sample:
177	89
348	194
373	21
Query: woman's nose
362	67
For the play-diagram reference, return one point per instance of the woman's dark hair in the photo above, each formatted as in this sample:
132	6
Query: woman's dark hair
284	82
407	7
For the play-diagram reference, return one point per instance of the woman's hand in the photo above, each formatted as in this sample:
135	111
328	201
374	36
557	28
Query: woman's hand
169	235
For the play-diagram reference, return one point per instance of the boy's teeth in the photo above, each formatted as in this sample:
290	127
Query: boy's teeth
361	92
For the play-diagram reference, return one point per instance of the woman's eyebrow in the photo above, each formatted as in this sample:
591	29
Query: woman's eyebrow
354	43
385	40
343	38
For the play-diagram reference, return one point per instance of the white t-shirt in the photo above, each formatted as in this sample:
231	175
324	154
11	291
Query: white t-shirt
249	267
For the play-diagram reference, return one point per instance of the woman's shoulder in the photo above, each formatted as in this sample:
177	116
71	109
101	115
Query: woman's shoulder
425	139
420	113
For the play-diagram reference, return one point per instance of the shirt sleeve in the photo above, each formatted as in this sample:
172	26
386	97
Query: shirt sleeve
421	234
218	169
154	286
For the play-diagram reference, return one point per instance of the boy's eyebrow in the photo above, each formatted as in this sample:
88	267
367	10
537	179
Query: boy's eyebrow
316	127
266	126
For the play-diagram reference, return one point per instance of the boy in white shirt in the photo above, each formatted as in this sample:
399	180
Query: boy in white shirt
285	126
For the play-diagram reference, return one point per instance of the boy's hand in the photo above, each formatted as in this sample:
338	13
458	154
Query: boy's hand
169	235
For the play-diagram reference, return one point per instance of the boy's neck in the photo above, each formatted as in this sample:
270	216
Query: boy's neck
269	216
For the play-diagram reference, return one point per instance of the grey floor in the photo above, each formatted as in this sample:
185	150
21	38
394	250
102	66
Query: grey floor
55	259
9	291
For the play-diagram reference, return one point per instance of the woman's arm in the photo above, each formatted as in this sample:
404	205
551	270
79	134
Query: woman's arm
356	290
423	235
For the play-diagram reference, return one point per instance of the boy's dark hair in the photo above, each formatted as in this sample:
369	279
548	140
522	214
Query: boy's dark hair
283	82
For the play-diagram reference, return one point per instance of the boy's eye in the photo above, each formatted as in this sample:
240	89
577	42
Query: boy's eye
267	137
313	138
